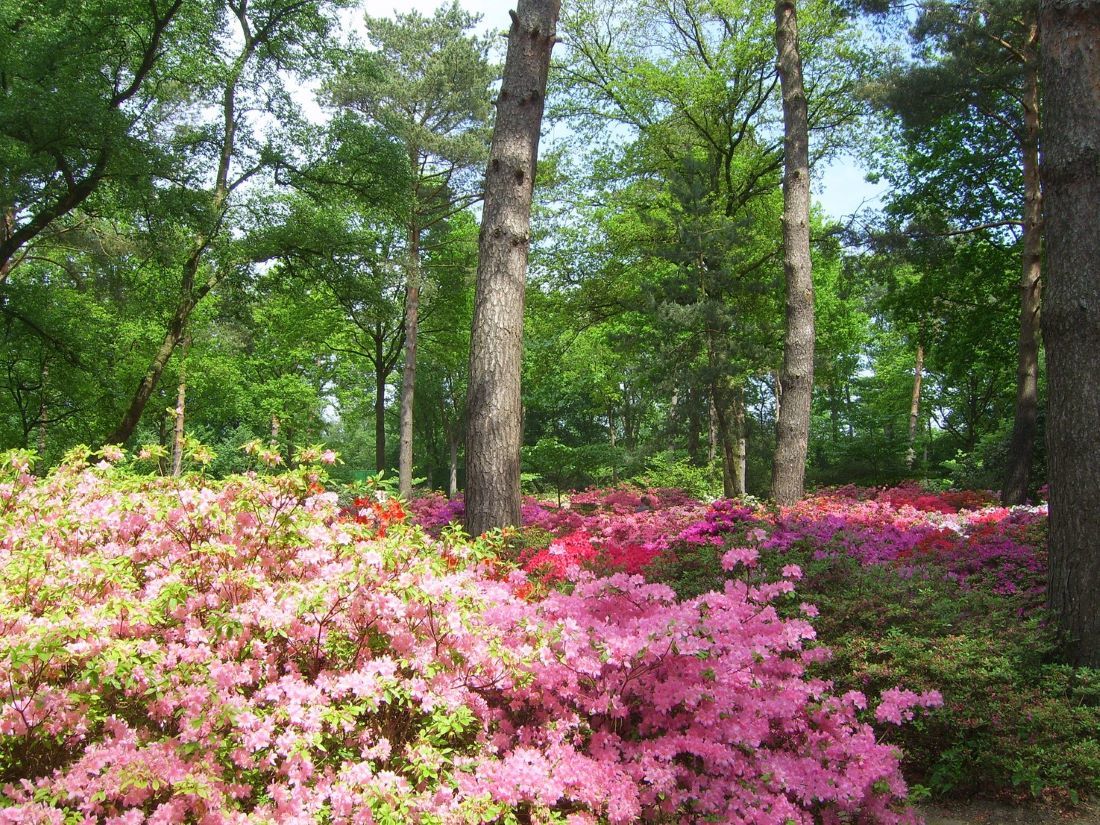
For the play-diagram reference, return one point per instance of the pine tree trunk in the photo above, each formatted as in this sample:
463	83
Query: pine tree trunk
495	417
797	379
1025	427
914	406
408	375
1071	315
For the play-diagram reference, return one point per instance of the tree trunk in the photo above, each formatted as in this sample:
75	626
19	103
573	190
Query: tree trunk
712	432
796	382
408	376
190	296
1025	427
914	406
380	375
43	412
494	429
7	229
181	406
452	448
740	444
722	437
693	426
730	426
1071	315
149	381
611	438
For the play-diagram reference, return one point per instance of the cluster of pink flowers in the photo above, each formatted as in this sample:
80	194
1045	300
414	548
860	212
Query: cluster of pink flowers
959	535
241	651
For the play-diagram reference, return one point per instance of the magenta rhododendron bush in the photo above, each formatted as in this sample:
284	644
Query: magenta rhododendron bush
953	534
243	651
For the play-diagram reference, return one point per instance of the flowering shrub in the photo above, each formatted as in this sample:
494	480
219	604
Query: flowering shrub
435	511
238	651
378	512
955	584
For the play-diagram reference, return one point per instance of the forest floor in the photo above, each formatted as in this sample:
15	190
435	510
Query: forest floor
986	812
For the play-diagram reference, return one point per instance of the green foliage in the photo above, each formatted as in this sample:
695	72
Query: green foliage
1010	719
667	469
557	467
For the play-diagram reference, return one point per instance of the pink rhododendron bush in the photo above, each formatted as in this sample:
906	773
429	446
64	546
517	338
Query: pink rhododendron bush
244	651
959	535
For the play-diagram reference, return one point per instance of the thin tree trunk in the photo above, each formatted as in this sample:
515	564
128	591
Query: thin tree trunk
7	229
712	431
740	443
693	426
848	409
162	440
927	440
611	438
495	418
380	375
408	376
181	407
726	439
43	412
914	406
797	380
452	445
149	381
190	296
1025	427
1071	315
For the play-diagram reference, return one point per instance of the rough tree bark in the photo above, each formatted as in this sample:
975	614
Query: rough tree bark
1025	426
495	417
1070	64
796	382
408	375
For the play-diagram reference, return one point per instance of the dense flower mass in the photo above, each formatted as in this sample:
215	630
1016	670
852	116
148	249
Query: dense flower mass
961	535
246	651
